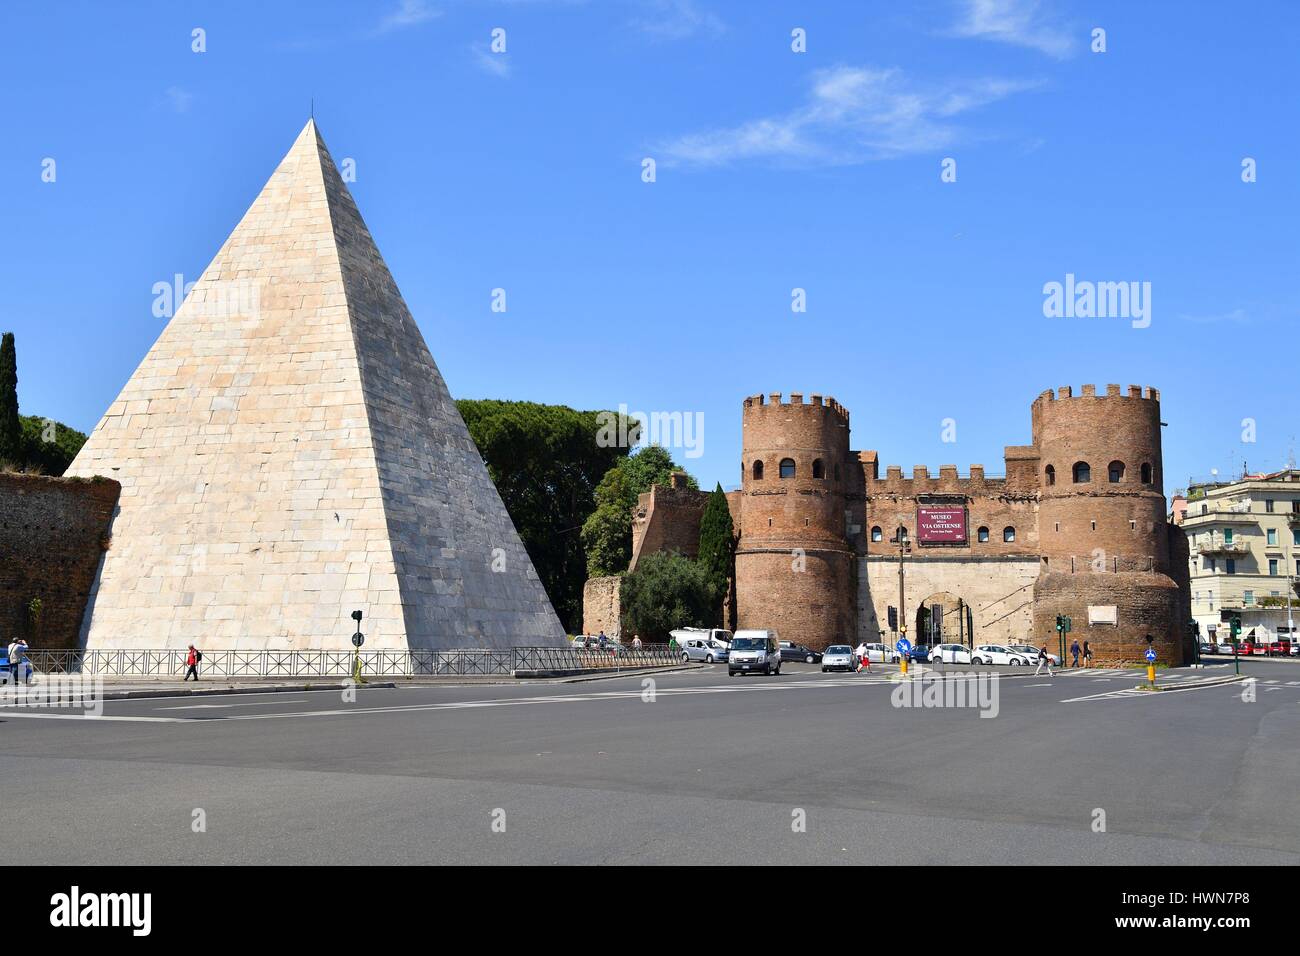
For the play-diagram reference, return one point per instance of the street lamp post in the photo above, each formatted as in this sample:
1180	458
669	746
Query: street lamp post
903	547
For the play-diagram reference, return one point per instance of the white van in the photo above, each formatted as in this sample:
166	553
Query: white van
753	651
706	634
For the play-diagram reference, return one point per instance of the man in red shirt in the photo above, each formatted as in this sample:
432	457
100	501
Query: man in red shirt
192	661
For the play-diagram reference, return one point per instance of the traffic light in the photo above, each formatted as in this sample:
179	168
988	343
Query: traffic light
1060	623
893	618
1235	624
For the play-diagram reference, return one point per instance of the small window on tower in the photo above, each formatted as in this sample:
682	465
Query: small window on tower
1146	474
982	535
819	470
758	469
787	467
1008	534
1116	472
1082	473
877	534
1050	474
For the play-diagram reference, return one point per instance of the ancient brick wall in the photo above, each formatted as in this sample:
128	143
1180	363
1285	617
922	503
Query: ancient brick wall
600	605
53	532
667	518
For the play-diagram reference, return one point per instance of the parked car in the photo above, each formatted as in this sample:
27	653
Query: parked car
951	653
700	650
919	653
1206	648
882	653
753	651
999	654
1031	652
839	657
6	675
791	651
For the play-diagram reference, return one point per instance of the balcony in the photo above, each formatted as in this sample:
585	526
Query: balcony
1218	548
1236	515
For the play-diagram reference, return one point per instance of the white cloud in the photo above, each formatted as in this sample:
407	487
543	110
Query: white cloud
677	19
497	64
853	114
409	13
1231	317
1024	23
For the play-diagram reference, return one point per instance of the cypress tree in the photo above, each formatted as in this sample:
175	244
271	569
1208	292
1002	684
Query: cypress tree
717	540
11	429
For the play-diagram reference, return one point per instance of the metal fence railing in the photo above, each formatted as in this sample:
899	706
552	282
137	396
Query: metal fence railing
339	663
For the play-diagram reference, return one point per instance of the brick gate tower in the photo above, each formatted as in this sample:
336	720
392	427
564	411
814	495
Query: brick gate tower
794	565
1102	529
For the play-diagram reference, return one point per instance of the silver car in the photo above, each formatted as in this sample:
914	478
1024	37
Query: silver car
702	650
839	657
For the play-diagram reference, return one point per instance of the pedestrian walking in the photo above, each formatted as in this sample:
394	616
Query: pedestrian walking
864	657
1087	654
1043	661
1074	653
603	640
23	667
15	651
192	662
636	642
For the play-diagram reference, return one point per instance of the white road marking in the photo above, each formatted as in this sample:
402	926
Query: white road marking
242	703
85	716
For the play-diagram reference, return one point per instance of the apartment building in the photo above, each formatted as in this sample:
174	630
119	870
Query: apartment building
1244	544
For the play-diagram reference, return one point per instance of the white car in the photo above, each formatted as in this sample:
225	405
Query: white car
998	654
951	654
839	657
882	653
1031	652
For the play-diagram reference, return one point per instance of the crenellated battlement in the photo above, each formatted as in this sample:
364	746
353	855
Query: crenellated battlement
761	404
1066	392
921	482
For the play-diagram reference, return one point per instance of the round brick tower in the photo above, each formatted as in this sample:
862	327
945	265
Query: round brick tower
1101	524
794	566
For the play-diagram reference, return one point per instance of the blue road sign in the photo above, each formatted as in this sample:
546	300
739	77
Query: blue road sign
903	646
1151	656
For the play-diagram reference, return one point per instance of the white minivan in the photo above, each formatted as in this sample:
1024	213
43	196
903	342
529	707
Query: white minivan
753	651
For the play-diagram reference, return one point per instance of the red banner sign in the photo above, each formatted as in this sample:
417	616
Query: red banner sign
941	525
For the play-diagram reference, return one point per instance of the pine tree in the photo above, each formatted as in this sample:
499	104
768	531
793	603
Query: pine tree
717	541
11	429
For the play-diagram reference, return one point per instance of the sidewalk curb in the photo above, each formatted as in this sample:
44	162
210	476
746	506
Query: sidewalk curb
214	691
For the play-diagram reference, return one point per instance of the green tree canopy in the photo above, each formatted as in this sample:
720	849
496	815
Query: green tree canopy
607	534
666	591
717	541
49	446
546	462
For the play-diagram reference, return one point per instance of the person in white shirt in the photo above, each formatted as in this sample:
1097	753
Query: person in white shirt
15	656
864	658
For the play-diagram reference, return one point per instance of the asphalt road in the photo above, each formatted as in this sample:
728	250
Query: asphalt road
712	770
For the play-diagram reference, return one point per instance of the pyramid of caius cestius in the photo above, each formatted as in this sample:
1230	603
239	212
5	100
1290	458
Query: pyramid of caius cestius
289	453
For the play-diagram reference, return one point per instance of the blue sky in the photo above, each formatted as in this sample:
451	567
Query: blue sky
775	170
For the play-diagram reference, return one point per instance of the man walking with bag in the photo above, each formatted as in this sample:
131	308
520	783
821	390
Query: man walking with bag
192	662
